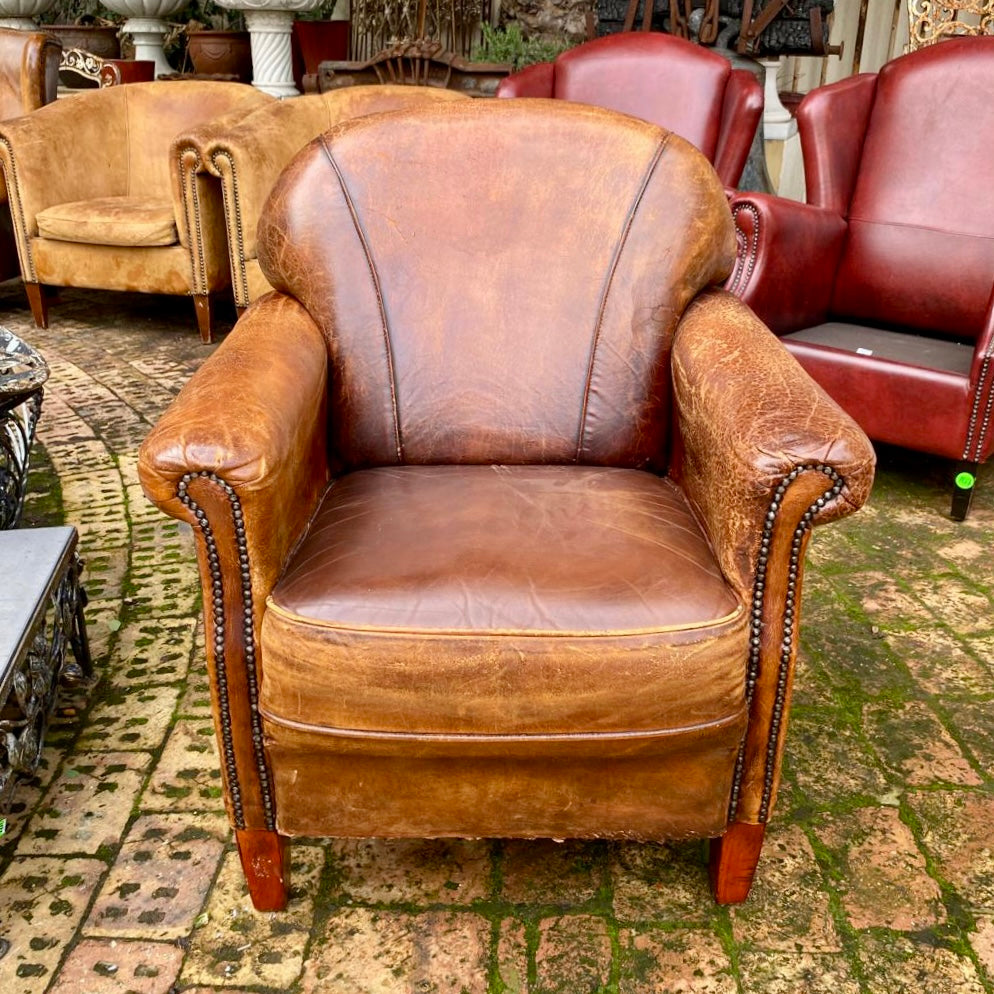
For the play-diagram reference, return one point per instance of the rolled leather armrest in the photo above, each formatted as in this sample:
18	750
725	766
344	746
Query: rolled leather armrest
752	426
786	260
240	455
740	114
252	420
533	81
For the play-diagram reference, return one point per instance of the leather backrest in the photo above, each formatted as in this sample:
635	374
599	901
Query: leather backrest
155	113
920	250
26	79
658	77
499	281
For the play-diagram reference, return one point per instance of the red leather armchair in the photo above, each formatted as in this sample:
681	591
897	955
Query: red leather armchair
500	506
660	78
882	283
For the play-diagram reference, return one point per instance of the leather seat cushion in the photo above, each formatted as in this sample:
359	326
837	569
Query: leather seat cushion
503	600
125	221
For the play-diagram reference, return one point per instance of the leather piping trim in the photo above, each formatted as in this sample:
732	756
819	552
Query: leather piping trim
233	213
470	633
395	736
220	660
982	382
375	276
24	239
608	283
746	252
191	208
788	642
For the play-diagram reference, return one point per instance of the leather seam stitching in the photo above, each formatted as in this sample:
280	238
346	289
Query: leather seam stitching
378	734
374	275
608	284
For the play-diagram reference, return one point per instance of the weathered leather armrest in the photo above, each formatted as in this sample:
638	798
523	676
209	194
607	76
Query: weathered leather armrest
763	454
241	456
786	260
252	423
757	434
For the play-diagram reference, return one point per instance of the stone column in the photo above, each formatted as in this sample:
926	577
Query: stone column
272	60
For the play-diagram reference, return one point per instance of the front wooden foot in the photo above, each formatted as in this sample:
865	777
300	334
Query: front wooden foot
733	861
964	483
205	317
265	860
38	302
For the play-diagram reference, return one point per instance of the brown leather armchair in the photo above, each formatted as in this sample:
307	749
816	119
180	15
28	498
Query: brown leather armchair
660	78
29	78
248	156
500	505
125	210
881	285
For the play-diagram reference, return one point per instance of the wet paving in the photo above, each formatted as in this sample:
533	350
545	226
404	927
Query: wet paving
118	873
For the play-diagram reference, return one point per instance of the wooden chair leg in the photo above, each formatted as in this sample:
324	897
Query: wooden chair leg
39	303
265	860
733	862
205	317
963	485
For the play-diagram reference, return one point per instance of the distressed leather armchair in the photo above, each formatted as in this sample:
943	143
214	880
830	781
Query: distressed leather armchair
660	78
29	78
882	285
500	504
125	210
248	156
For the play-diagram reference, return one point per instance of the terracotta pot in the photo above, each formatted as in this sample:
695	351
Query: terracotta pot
221	52
315	42
95	39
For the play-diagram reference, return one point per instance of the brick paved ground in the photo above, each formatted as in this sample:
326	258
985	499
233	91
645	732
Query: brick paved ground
118	874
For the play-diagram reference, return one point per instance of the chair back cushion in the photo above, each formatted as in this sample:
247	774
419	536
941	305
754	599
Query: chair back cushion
499	281
920	251
155	113
658	77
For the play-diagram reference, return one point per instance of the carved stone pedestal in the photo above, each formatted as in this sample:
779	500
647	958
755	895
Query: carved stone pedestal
270	23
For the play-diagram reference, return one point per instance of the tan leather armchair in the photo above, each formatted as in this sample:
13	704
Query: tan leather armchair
249	156
125	210
500	505
29	78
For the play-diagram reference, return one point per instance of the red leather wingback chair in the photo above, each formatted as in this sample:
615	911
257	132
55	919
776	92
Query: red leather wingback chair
660	78
882	284
500	511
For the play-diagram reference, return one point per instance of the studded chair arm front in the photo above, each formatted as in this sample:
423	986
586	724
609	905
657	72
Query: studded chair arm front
244	463
759	475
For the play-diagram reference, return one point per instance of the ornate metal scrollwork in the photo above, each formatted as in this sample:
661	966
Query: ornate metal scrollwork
933	20
33	685
22	375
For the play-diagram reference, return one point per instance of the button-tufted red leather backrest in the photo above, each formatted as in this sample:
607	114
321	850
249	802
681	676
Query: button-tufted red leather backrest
520	308
920	250
658	77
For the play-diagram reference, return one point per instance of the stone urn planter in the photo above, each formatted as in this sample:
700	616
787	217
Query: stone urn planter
147	26
270	24
225	53
97	39
21	14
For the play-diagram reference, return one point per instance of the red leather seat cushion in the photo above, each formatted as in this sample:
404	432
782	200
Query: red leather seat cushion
510	600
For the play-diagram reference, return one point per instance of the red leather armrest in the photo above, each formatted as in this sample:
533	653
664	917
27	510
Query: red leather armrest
786	259
532	81
740	113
